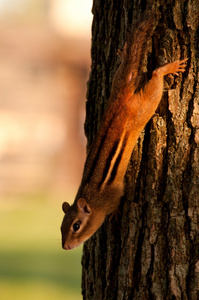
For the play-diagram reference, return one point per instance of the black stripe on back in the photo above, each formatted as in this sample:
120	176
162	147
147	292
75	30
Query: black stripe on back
118	160
108	161
98	153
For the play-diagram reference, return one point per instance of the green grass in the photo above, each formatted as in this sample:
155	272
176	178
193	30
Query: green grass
32	263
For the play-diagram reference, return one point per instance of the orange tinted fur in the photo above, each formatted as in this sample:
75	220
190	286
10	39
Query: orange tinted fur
126	115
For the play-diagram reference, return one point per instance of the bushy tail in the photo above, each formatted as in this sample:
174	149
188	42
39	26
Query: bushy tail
132	55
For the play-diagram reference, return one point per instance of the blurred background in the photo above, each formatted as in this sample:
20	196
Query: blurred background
44	67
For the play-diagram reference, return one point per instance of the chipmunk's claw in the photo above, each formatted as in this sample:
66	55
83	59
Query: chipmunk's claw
115	215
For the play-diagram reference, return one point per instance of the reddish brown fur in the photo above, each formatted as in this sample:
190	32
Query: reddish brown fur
126	116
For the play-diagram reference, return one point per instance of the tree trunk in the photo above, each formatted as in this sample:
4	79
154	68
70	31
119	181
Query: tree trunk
152	252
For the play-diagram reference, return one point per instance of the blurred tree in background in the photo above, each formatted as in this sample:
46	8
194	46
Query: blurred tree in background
44	66
43	77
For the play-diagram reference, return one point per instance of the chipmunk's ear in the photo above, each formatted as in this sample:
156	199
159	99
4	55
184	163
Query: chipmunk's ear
83	206
65	206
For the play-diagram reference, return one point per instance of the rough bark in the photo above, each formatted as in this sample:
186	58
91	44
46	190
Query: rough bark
153	252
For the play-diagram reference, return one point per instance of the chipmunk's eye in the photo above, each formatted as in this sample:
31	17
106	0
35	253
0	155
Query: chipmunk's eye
76	226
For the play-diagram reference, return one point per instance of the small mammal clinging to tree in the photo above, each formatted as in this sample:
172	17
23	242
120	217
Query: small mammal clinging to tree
127	113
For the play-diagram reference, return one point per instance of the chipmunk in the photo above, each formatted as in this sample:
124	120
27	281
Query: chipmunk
128	111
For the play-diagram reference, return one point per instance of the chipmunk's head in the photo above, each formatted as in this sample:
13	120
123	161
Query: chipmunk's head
79	224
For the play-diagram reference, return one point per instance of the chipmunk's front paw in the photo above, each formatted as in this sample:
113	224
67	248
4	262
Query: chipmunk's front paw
115	215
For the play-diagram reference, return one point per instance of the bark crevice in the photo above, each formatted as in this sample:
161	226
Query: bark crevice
153	252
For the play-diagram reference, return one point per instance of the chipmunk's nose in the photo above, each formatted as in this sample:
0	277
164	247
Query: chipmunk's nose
64	246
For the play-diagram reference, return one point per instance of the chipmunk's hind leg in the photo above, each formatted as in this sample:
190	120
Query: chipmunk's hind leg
152	92
172	68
